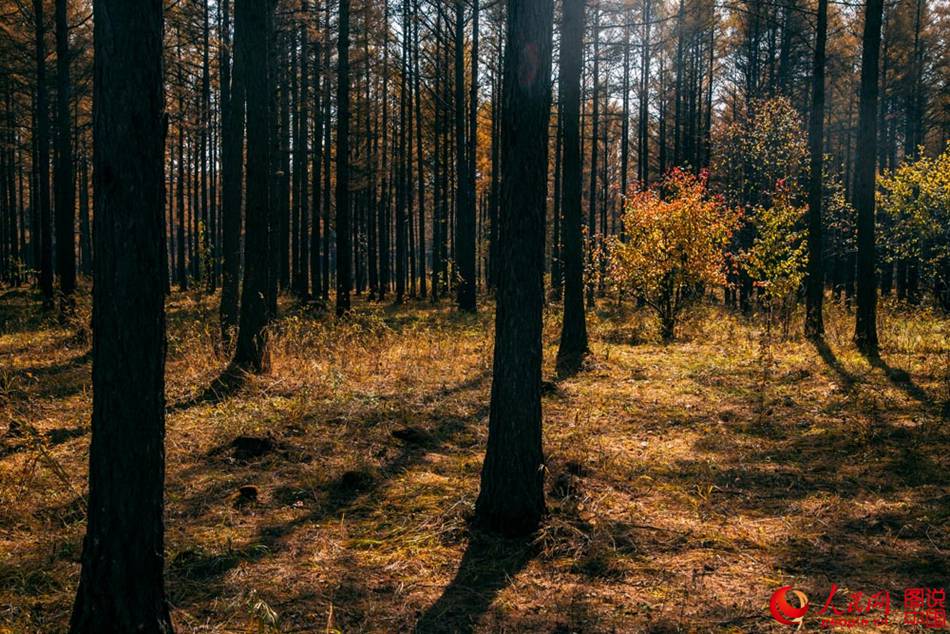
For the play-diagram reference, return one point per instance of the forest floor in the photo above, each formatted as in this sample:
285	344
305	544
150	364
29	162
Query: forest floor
686	482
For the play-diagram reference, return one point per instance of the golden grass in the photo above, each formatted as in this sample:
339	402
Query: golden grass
685	482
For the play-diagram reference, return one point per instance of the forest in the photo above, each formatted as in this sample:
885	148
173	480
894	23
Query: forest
474	316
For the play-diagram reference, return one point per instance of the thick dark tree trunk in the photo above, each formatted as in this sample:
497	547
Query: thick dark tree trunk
511	499
574	346
121	588
41	129
865	180
255	18
815	284
344	253
64	184
232	160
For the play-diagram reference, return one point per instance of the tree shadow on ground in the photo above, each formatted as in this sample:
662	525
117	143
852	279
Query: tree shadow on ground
828	356
487	568
354	492
226	385
902	380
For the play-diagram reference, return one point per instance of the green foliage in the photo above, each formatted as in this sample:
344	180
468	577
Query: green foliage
915	200
777	258
755	153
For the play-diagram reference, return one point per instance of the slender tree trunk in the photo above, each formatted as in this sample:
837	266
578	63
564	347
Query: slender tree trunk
643	152
85	228
254	18
556	274
121	587
573	346
511	499
232	159
302	149
815	284
64	184
423	290
316	182
465	199
207	227
865	180
382	211
42	156
594	139
401	162
344	252
625	124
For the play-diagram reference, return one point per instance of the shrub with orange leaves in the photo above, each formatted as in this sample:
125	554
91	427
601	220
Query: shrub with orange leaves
675	240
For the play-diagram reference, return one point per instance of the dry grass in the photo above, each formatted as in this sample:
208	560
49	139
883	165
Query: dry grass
685	483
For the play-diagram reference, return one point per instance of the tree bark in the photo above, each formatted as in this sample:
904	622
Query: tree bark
465	199
42	159
344	252
865	180
511	499
253	48
121	587
573	346
64	185
232	172
815	284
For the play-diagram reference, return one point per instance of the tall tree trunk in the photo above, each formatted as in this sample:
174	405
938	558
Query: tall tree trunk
401	162
643	140
302	150
205	134
316	182
42	159
182	241
556	273
511	499
594	139
625	124
573	347
232	163
64	184
865	180
465	199
815	284
121	587
85	228
423	290
344	251
253	49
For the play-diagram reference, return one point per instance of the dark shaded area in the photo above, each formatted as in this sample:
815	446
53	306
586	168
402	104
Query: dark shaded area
902	380
226	385
21	436
828	356
487	567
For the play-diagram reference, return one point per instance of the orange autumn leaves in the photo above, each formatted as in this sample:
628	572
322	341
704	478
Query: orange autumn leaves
674	243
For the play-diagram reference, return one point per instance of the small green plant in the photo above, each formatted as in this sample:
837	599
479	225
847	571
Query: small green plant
776	260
